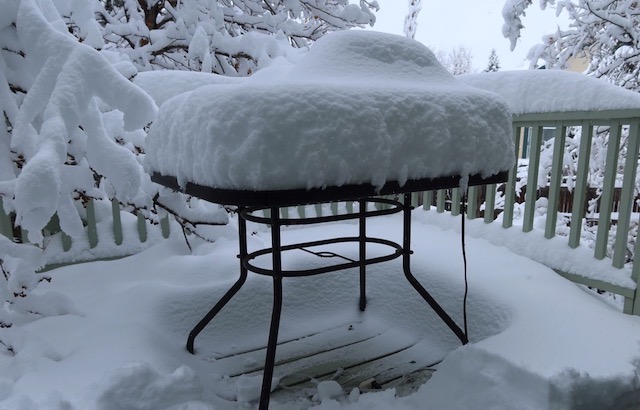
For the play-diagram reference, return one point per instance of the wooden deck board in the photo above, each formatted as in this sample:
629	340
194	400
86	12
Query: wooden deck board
391	368
252	361
338	361
349	353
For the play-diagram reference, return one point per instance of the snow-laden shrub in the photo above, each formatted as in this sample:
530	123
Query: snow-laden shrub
75	124
59	141
71	120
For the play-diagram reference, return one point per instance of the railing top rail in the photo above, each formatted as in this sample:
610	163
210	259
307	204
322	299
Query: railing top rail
577	116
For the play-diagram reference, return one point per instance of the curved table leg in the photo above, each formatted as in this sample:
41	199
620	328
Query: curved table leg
242	237
214	311
406	266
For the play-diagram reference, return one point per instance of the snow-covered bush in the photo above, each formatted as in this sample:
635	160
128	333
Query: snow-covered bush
61	122
75	124
65	109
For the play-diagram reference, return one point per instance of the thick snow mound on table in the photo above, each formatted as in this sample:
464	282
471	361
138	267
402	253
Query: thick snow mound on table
547	91
161	85
360	107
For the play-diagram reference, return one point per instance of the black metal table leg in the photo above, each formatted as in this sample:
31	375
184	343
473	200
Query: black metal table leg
277	275
272	344
242	233
362	236
406	266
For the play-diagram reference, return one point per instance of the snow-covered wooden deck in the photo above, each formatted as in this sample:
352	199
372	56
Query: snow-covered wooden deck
352	354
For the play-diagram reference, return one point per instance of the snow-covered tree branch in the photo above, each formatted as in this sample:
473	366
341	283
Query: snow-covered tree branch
69	116
457	61
224	37
411	19
605	32
74	124
58	131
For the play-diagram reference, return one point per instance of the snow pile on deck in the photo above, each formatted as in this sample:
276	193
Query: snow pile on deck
547	91
360	107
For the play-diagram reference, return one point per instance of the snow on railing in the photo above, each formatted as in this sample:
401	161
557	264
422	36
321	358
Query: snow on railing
591	150
587	148
595	148
582	133
110	233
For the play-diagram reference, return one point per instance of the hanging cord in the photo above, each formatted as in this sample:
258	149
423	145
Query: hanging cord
464	259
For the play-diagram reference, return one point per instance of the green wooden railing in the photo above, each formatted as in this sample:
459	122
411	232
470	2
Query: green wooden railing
584	122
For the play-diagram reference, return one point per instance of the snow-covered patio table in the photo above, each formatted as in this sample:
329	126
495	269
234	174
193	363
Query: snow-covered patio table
362	115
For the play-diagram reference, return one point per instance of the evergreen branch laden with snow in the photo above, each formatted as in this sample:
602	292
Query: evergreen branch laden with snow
493	64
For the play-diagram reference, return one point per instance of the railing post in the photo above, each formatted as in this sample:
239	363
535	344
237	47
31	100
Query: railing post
510	185
348	205
608	187
6	227
455	201
489	203
627	196
92	230
302	210
472	202
557	165
632	305
415	199
66	241
531	195
54	227
580	189
165	226
440	200
117	221
427	199
142	228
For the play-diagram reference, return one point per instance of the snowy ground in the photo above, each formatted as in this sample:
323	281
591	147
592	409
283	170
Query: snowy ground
537	340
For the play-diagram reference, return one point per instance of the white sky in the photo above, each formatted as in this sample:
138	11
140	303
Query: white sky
475	24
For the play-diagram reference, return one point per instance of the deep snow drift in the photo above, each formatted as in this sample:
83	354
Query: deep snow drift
536	339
